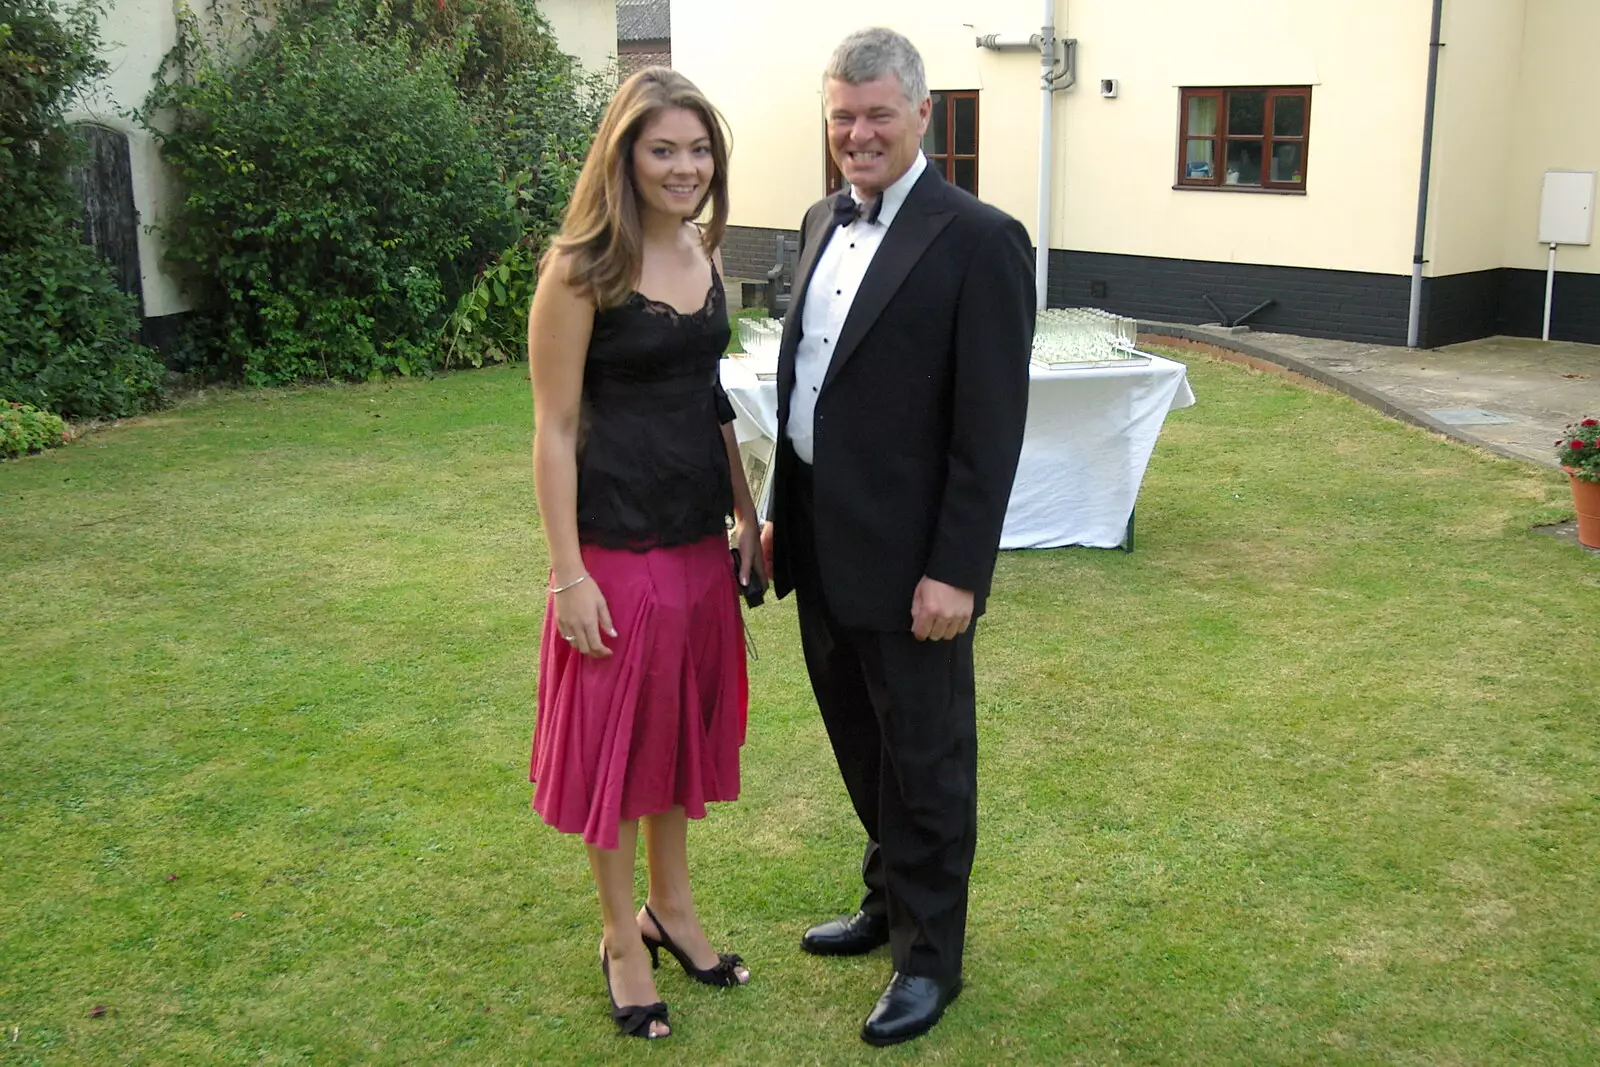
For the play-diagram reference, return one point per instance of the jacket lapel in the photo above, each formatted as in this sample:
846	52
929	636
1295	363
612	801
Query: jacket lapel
819	231
920	220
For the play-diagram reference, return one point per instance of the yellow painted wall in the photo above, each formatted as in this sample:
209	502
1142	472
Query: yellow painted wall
1115	160
137	34
1556	124
587	29
1479	71
1366	62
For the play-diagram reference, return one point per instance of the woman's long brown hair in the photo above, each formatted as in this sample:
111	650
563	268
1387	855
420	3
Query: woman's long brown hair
600	233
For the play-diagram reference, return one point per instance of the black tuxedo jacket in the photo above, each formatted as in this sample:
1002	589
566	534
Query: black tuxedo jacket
920	416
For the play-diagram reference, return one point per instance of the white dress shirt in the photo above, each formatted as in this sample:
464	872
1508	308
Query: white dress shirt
829	294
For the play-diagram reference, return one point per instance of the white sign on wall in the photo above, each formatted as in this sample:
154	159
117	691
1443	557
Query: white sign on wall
1566	210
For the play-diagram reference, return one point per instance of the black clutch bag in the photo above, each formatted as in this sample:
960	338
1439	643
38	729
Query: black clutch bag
755	590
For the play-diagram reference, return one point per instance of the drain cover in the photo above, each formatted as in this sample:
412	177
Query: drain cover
1471	417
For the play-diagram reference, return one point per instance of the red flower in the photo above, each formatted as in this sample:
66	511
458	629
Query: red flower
1575	445
1590	422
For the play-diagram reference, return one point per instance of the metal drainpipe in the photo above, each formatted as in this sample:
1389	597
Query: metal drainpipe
1047	57
1414	325
1050	83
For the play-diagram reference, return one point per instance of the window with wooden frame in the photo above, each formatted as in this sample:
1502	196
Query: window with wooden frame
1244	139
951	143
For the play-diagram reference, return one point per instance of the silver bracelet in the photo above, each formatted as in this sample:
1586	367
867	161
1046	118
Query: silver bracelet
579	580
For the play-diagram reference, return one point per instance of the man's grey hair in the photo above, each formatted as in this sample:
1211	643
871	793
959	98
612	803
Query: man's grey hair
867	55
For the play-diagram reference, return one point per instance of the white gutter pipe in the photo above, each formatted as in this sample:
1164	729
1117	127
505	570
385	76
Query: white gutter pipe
1047	65
1050	82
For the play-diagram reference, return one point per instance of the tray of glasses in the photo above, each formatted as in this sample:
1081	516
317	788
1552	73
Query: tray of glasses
1080	364
764	365
760	339
1074	338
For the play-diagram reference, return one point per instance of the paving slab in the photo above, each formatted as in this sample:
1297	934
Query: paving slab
1511	395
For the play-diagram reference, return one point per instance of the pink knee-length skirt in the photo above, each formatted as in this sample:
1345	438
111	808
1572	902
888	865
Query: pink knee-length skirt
659	723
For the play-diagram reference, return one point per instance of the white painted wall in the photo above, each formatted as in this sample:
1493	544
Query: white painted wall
137	33
587	29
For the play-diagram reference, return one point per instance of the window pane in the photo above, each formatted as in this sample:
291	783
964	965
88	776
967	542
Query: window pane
1288	162
1202	115
934	141
1247	114
966	175
1199	160
1289	116
1244	163
966	125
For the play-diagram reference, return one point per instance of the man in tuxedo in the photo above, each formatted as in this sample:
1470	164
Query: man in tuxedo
902	393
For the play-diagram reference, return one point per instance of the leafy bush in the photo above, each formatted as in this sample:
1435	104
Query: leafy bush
339	199
545	115
24	428
489	324
67	333
483	43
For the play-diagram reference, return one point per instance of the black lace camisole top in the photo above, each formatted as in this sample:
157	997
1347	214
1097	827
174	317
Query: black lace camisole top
652	465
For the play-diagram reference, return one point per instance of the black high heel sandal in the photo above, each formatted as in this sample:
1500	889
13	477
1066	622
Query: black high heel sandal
722	973
633	1020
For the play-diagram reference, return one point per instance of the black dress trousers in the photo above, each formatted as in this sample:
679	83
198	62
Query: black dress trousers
900	714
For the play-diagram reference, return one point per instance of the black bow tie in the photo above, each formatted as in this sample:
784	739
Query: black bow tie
846	209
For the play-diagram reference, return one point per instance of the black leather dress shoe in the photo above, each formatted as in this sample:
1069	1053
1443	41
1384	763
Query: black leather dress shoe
848	935
908	1009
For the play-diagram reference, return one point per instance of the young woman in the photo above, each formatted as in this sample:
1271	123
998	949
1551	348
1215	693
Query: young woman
642	690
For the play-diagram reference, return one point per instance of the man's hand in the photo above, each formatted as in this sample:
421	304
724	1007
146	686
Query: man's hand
938	611
766	549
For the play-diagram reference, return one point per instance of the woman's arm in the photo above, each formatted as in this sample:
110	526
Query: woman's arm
559	325
746	524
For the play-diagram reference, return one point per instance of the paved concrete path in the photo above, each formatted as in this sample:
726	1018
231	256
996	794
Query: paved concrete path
1510	395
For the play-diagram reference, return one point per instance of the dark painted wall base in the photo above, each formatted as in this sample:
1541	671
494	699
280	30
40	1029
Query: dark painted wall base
1342	305
164	333
1575	308
1345	305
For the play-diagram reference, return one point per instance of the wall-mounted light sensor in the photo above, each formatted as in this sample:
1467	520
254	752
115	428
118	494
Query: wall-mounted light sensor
1108	88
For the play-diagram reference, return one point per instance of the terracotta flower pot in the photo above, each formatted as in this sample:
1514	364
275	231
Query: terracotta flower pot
1586	499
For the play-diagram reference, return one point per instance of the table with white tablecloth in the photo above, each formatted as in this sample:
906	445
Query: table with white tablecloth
1089	436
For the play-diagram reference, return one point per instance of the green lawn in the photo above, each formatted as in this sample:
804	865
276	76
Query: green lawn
1311	777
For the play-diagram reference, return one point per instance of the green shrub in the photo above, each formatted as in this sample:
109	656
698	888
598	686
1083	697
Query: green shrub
67	333
482	43
490	321
24	428
545	115
339	199
537	109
